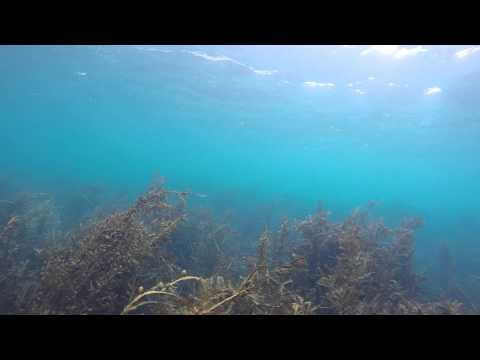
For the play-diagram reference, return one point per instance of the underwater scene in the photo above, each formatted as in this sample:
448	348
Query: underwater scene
240	180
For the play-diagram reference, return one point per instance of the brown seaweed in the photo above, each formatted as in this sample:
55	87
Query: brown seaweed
160	257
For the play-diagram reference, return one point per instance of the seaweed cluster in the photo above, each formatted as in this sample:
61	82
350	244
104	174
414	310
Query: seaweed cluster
157	257
27	223
100	265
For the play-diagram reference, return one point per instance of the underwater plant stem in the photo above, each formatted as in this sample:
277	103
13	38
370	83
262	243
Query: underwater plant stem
243	290
184	278
153	291
131	307
138	305
224	301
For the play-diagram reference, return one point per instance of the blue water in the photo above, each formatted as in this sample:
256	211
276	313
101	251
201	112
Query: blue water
241	125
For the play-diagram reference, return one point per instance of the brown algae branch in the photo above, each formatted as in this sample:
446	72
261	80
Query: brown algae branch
153	291
137	306
131	306
230	298
173	283
243	290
